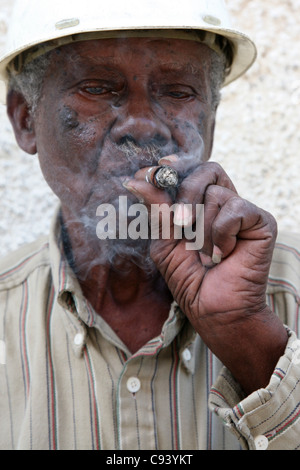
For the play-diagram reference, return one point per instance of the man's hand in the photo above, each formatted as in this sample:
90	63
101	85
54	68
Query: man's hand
222	288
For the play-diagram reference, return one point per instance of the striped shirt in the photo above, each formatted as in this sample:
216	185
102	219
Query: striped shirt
68	382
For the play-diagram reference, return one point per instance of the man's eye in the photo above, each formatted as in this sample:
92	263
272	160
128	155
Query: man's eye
95	90
178	94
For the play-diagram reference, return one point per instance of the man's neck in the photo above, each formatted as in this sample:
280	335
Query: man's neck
134	302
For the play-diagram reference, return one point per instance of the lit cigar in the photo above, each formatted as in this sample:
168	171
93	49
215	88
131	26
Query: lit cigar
163	177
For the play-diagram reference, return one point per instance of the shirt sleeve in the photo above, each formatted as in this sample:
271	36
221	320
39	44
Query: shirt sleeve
269	418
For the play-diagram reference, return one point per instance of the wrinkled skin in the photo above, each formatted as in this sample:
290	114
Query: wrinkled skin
98	95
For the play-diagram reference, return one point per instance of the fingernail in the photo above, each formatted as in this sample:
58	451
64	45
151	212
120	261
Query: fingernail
127	186
206	260
182	215
169	158
216	255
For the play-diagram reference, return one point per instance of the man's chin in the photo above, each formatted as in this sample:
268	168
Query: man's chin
123	254
120	255
111	244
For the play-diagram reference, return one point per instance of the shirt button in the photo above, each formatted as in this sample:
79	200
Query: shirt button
261	442
186	355
79	339
133	384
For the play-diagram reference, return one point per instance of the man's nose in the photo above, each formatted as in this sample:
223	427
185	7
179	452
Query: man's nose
138	122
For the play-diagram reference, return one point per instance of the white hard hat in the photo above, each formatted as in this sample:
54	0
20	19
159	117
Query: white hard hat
36	22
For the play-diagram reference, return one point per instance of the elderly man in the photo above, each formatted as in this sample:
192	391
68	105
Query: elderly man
117	343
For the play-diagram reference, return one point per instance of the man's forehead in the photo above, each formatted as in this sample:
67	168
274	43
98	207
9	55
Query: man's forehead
168	54
210	40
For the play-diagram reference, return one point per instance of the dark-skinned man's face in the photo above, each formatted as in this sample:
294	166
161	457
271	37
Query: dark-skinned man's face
110	107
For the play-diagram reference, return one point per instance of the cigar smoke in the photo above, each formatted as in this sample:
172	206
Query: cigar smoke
115	252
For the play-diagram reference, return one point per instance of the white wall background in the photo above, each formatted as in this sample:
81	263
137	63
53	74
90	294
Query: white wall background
257	136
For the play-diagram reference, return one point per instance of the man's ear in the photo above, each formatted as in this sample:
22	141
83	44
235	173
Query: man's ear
22	121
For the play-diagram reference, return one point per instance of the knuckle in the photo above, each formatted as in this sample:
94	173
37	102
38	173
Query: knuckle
238	205
271	223
215	170
212	191
215	166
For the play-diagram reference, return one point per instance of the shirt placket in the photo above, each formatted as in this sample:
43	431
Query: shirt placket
134	403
